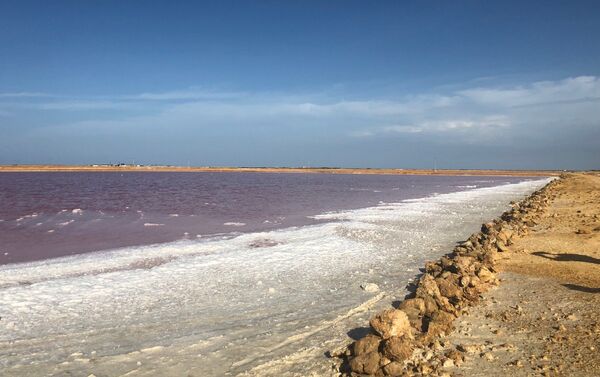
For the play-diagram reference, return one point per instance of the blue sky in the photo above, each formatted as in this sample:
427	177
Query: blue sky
466	84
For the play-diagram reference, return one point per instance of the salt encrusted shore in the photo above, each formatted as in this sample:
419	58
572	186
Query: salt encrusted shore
413	339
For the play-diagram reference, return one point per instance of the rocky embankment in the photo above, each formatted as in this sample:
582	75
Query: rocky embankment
409	340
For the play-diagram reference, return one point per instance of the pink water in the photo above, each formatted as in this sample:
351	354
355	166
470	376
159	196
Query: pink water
46	215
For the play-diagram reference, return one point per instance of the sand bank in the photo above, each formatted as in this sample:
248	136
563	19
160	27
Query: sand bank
133	168
518	298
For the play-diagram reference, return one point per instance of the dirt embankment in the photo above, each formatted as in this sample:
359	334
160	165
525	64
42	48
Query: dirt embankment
535	274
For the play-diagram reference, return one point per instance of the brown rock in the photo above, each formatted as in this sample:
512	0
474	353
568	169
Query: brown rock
433	268
464	264
464	281
449	287
427	287
415	318
486	275
501	247
394	369
367	363
455	356
440	323
487	228
413	303
391	322
430	305
448	363
470	348
369	343
397	348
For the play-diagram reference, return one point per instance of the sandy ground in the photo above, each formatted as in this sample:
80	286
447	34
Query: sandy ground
544	317
131	168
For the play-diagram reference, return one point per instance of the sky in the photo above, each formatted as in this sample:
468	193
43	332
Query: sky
390	84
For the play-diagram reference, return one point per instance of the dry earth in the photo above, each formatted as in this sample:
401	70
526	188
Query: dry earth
544	317
216	169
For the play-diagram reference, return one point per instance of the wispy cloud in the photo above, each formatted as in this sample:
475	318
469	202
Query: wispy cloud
24	95
77	105
570	90
186	95
486	114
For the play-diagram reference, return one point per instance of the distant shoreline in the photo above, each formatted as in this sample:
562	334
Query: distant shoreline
130	168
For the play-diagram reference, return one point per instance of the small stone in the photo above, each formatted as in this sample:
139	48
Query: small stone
370	287
448	363
470	348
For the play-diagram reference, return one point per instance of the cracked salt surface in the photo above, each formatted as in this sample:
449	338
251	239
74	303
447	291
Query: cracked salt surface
222	306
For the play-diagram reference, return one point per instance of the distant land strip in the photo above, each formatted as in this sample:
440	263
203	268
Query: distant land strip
327	170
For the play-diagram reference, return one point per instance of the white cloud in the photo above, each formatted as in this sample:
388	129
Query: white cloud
24	95
187	94
546	109
80	105
574	89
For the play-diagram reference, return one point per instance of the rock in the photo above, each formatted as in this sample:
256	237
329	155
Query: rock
413	303
448	363
391	322
394	369
263	242
383	361
470	348
487	228
502	237
440	323
501	247
427	287
433	268
367	363
488	356
368	344
491	257
455	356
464	281
430	305
485	275
424	369
397	348
449	287
414	317
370	287
464	264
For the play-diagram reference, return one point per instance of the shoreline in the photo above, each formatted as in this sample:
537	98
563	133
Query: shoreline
261	364
418	337
366	171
